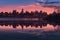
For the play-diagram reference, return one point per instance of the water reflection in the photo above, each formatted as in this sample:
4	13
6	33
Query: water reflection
29	31
24	23
9	28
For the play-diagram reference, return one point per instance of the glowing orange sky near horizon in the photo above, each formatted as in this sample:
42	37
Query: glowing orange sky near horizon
29	8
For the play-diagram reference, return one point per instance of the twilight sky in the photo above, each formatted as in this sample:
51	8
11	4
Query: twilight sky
20	2
28	5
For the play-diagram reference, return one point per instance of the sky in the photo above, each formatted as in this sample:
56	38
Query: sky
20	2
30	5
16	2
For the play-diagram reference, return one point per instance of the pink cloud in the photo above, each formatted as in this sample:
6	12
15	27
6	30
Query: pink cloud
29	8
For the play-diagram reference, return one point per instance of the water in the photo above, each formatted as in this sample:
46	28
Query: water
28	29
47	32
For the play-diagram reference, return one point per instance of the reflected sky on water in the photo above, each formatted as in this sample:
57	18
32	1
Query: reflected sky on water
30	33
29	29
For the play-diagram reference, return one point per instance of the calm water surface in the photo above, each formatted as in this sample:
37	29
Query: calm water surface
48	32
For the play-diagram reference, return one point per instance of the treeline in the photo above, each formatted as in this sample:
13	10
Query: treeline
31	14
54	18
23	14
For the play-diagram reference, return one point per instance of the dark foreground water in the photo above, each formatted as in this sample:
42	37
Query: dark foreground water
25	36
48	32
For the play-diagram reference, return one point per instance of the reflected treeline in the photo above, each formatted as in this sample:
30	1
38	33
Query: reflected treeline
22	24
27	24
